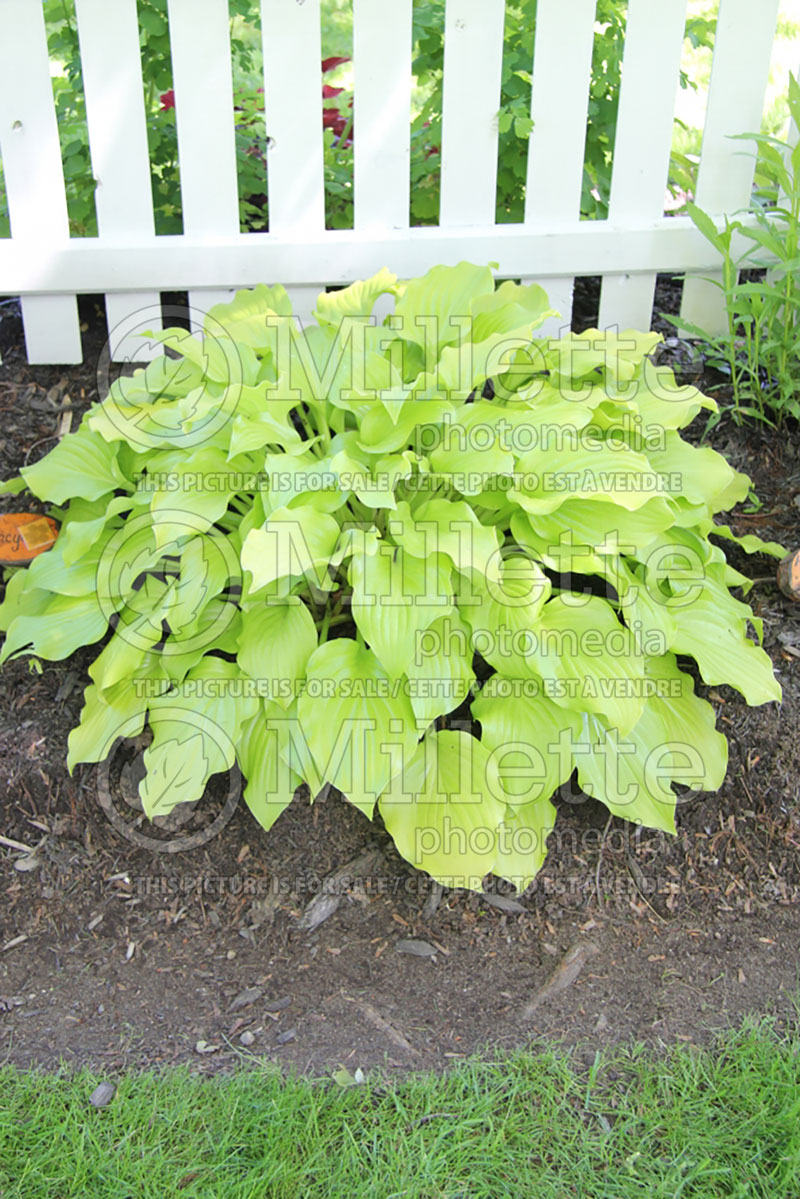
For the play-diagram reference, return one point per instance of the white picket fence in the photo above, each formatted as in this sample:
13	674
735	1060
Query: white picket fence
128	263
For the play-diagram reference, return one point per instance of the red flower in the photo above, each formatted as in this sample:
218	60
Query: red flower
167	100
329	92
328	64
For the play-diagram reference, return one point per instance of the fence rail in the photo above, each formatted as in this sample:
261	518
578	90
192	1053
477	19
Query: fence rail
131	265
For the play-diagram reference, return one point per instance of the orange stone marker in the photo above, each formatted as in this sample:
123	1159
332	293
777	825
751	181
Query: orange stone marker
25	535
789	575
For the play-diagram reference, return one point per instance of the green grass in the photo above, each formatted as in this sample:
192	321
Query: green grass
701	1123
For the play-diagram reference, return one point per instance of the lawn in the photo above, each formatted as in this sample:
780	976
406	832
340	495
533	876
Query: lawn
717	1122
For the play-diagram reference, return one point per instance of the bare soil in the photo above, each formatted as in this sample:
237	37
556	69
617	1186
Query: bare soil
116	955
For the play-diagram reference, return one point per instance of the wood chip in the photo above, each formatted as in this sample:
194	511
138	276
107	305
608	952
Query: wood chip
7	841
28	863
204	1047
431	904
245	998
382	1024
14	942
564	974
334	888
284	1037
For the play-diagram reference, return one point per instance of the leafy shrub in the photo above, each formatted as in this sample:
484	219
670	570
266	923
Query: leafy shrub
760	352
435	562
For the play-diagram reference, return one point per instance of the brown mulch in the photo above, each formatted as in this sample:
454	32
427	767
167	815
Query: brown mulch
115	955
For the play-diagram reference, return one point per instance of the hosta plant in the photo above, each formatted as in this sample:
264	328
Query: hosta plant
437	562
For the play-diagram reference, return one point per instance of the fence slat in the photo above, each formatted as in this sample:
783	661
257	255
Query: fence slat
115	117
473	62
203	79
650	74
735	102
292	43
586	247
559	108
33	173
382	113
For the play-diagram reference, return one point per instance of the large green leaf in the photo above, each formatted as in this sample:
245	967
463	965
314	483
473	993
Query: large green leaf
501	613
443	809
118	711
451	529
80	465
356	300
529	736
395	598
245	317
673	741
294	543
712	627
522	841
275	644
63	624
586	659
260	749
356	722
435	310
195	729
440	673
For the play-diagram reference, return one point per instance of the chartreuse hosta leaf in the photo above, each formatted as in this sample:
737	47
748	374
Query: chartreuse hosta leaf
275	643
450	529
429	559
368	726
440	674
674	741
502	613
294	543
195	729
80	466
263	749
444	807
395	598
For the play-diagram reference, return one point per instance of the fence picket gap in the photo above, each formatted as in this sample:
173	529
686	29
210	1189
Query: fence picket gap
473	62
116	120
650	74
203	79
382	114
34	174
559	108
739	75
292	41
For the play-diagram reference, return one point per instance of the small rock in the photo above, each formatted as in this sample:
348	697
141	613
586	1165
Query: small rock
419	949
284	1037
247	1038
245	998
602	1023
504	902
102	1095
28	863
277	1005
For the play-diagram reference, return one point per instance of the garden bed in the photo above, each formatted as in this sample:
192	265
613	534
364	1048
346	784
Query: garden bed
112	954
